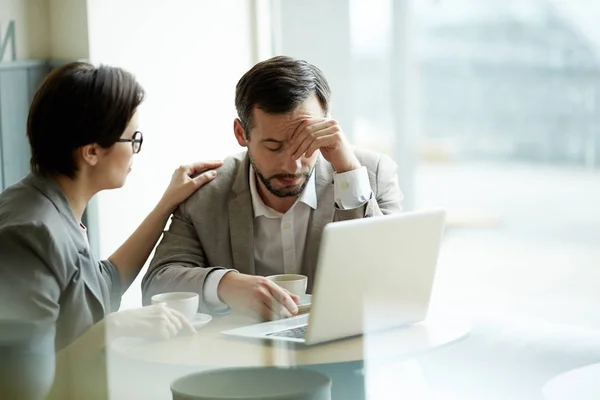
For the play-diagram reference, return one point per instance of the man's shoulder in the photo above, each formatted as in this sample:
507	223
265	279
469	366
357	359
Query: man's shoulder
370	158
219	188
231	166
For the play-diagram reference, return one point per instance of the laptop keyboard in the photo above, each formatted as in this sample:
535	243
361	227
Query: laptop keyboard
296	333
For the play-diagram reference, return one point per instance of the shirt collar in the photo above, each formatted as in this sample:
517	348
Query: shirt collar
308	197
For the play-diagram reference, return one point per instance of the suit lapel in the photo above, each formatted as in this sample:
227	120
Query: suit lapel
241	227
318	218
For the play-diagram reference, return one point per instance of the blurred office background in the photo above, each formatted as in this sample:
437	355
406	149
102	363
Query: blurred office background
490	108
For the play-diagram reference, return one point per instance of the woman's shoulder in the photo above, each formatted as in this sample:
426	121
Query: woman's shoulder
22	204
31	221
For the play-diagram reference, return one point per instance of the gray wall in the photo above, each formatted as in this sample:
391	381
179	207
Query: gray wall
18	83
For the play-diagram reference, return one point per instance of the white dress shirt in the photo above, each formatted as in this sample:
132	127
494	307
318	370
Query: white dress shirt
279	239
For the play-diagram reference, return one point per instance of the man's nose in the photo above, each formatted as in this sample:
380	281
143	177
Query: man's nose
290	165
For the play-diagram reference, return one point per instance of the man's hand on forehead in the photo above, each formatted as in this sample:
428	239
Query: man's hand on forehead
324	134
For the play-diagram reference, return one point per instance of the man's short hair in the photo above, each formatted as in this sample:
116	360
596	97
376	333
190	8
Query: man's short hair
277	86
79	104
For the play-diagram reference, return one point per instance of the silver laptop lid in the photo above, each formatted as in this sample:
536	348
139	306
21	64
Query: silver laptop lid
374	273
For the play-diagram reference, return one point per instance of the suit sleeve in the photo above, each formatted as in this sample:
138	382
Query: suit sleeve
179	263
111	276
387	198
30	291
29	286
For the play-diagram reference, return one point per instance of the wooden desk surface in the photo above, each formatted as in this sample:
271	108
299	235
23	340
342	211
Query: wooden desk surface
210	348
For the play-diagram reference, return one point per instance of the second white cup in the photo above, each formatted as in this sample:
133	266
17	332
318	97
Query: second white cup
185	302
293	283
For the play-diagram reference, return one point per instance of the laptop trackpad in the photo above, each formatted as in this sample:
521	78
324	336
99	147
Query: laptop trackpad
268	329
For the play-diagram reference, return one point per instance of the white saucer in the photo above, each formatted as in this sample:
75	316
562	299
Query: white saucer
200	320
304	303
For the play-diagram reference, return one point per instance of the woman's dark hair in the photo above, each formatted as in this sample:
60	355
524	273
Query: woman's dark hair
79	104
278	85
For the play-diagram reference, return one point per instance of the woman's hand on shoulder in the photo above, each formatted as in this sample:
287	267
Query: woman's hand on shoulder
186	180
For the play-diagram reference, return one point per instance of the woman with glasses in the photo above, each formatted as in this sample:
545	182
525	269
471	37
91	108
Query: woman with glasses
83	133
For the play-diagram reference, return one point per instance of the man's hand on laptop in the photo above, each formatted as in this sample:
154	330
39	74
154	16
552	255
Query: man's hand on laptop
257	295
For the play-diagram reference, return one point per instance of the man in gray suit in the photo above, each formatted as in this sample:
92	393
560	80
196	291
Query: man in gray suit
265	212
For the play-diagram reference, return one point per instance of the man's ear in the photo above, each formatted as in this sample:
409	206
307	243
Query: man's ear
240	134
90	154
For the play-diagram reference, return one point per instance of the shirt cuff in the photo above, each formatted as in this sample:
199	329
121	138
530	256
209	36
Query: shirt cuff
211	292
352	189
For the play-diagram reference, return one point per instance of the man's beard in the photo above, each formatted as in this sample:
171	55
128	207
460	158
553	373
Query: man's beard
283	192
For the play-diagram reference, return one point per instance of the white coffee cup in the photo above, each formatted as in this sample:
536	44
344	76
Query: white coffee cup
293	283
184	302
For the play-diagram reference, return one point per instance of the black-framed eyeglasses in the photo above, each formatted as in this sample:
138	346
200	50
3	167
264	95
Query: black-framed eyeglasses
136	141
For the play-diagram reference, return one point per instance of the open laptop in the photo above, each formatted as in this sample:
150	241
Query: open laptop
372	274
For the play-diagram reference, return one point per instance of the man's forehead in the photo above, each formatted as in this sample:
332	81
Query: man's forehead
278	128
285	124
